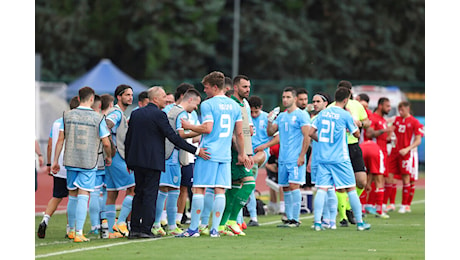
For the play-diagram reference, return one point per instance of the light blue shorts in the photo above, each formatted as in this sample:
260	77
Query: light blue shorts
84	180
100	176
291	173
339	174
117	176
209	174
172	176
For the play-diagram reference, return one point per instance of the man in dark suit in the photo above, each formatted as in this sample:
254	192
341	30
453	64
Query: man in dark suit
145	154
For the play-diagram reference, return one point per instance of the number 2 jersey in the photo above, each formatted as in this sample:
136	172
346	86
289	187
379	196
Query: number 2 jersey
332	124
224	113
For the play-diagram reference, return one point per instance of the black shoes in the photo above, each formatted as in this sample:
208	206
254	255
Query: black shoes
351	217
41	230
343	223
253	223
137	235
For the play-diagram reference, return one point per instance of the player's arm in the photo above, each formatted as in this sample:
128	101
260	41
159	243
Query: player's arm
357	133
271	128
272	142
107	146
313	133
417	141
305	144
204	128
57	151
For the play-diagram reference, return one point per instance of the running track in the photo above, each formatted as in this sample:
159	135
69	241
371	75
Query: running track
45	190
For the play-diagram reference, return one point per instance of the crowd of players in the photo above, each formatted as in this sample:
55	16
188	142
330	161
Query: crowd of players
340	147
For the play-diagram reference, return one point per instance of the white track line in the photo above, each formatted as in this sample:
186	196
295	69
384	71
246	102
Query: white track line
149	240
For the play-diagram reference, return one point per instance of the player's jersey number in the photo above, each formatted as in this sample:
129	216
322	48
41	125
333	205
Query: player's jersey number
225	125
326	135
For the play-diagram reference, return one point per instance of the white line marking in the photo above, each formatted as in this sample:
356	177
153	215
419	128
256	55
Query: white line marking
149	240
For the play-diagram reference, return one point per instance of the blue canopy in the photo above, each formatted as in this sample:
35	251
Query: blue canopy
104	78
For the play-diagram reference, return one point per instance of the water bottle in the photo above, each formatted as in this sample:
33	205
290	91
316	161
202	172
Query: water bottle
275	112
104	229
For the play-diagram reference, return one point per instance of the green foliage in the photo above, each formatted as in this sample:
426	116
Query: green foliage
279	39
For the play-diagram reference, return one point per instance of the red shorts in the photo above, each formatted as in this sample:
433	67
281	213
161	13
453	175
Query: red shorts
400	165
374	159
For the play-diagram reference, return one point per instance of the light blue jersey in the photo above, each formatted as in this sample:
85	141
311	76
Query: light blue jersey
223	112
332	124
167	108
290	132
260	135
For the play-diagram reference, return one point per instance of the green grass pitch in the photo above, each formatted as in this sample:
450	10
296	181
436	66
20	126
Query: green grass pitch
400	237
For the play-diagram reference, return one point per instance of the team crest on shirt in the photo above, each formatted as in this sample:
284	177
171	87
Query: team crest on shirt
293	118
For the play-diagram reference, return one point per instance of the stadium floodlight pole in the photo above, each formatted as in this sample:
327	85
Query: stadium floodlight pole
236	38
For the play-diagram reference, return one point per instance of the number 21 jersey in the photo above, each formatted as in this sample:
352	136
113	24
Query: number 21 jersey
332	124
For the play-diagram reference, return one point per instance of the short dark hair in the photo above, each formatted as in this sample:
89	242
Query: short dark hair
106	99
382	100
364	96
324	96
214	78
85	93
121	89
344	84
228	81
255	101
229	93
192	93
238	78
341	94
143	95
181	89
74	102
290	89
301	91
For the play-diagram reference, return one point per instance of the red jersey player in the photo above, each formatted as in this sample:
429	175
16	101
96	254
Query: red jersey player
374	161
379	133
403	160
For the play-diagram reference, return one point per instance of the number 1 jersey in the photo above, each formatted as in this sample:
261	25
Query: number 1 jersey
224	113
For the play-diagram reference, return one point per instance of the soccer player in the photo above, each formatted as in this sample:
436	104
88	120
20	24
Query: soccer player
82	131
379	133
95	206
243	181
59	179
221	116
293	126
170	179
359	116
320	102
334	165
403	160
260	136
374	161
117	176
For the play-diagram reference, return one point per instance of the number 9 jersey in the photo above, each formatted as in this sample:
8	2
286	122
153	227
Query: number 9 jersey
332	124
223	112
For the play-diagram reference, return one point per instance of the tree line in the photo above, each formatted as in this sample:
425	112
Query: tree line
279	39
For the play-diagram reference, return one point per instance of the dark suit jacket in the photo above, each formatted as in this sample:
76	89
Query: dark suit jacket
145	140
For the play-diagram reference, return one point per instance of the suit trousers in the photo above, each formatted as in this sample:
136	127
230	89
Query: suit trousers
144	200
